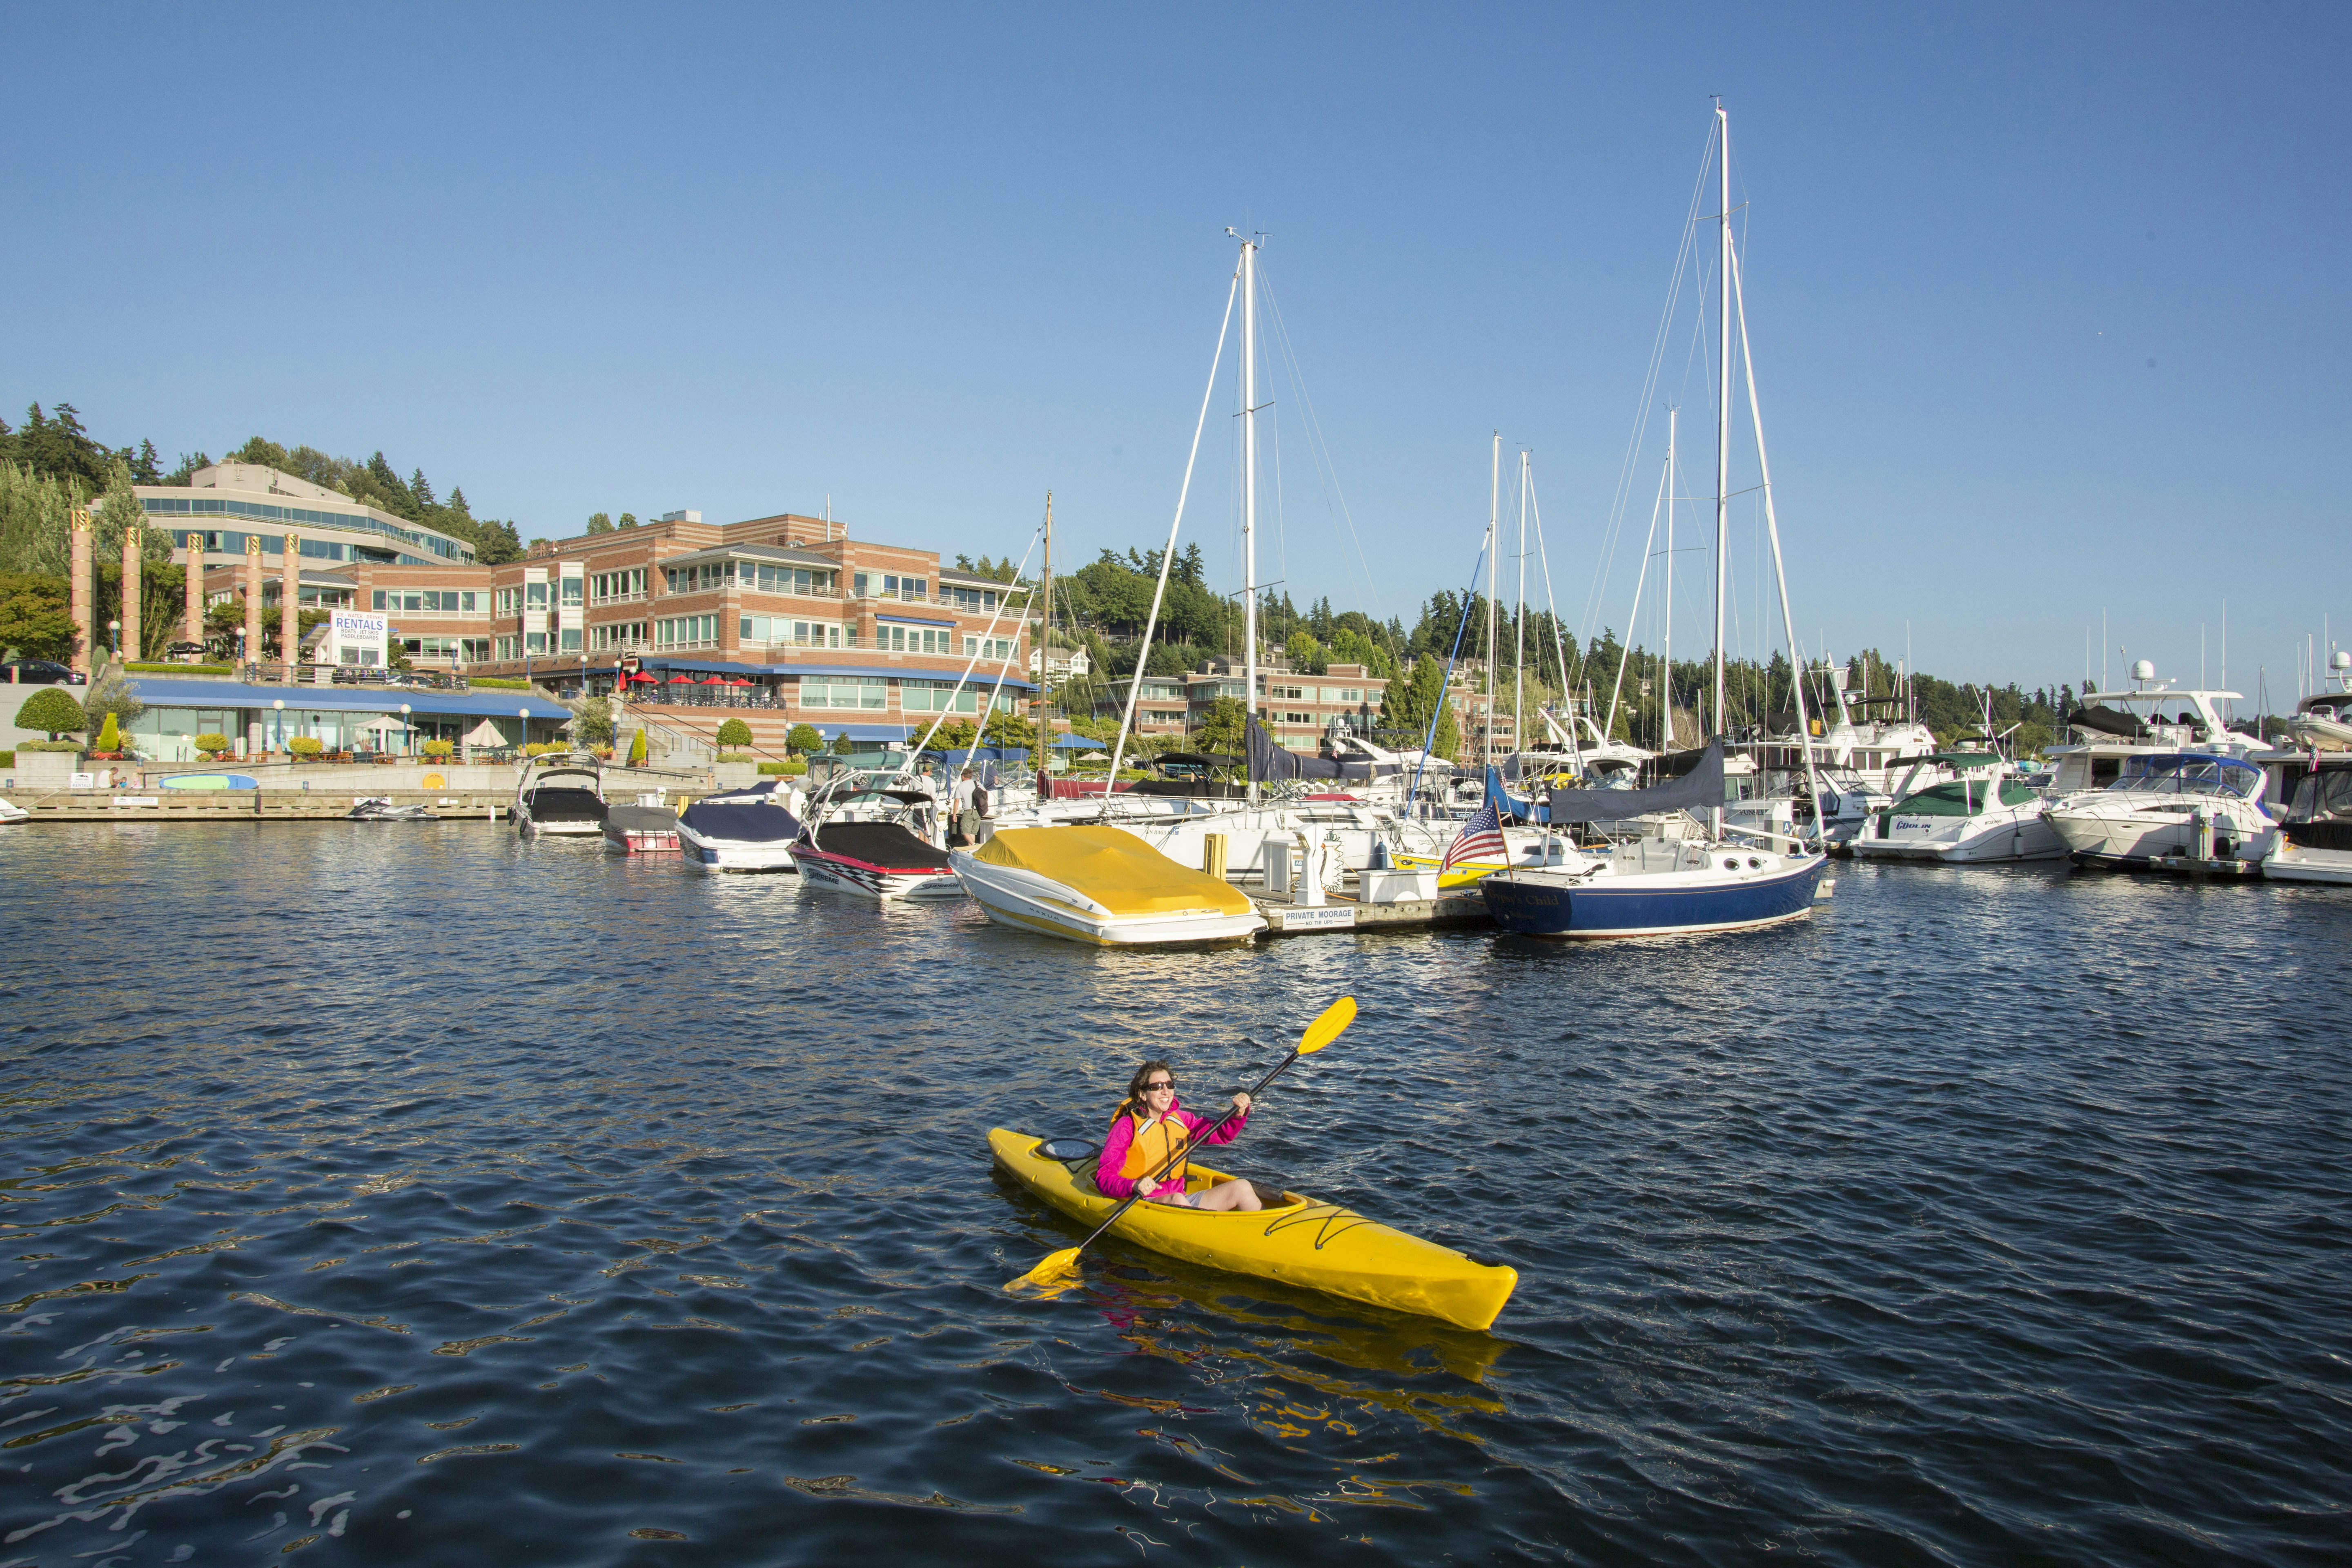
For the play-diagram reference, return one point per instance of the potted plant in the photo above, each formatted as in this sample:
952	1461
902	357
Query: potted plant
212	745
305	748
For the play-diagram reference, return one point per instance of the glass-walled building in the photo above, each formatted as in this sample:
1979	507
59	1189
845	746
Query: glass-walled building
221	505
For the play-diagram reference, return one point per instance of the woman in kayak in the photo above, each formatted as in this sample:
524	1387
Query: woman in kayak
1148	1128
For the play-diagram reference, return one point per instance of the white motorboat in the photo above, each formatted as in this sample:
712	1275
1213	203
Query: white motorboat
741	830
10	814
2314	841
2200	809
870	858
2323	722
561	794
1101	886
1984	815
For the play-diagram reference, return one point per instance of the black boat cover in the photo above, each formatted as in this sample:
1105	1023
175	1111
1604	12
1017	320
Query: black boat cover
641	818
2107	721
1685	782
884	843
745	818
1269	762
556	803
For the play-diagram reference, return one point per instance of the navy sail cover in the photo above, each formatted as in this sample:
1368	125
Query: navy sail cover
1686	780
1269	761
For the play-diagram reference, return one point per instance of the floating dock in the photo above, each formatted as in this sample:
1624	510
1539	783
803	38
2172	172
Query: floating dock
1284	917
225	805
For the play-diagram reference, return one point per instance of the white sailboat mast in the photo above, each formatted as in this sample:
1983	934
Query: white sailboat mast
1723	400
1493	539
1666	657
1249	489
1519	623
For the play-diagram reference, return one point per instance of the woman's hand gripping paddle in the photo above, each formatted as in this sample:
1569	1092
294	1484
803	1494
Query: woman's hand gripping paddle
1058	1268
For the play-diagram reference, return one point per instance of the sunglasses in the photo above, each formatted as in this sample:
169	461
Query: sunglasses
1164	1083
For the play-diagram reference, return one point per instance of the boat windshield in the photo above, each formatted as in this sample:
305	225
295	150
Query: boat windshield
2323	797
2189	773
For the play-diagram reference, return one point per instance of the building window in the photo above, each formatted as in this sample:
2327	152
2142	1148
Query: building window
840	691
988	648
572	586
535	596
776	631
572	639
534	642
981	601
695	579
616	587
937	697
687	631
617	634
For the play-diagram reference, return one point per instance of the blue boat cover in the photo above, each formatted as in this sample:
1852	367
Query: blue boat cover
747	817
1686	780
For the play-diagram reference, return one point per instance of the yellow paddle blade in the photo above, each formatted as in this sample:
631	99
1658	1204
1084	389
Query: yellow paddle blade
1057	1271
1328	1027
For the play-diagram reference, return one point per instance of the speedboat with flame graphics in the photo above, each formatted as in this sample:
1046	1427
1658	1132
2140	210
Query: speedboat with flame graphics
875	860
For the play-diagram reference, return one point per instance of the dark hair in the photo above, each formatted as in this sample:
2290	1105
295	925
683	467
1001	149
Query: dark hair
1135	1085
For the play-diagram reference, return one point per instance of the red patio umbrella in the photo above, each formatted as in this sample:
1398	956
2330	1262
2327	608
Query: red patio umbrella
641	675
739	682
679	680
712	680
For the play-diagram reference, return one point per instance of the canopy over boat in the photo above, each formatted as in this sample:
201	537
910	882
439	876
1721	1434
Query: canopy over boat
1113	869
1961	797
1689	780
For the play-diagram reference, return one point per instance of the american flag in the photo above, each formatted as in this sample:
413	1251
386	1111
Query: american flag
1482	834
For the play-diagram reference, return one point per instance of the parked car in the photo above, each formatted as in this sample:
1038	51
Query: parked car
44	671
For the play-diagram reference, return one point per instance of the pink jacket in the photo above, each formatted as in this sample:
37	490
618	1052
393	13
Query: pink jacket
1121	1137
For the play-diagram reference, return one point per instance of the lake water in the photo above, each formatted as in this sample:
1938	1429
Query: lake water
401	1195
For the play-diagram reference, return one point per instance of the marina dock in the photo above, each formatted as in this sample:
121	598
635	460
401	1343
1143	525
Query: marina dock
1340	913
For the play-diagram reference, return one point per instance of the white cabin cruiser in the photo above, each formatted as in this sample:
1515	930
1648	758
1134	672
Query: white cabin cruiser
1984	815
561	794
2323	722
2200	809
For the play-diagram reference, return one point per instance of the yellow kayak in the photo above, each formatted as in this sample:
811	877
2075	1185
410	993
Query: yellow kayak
1299	1241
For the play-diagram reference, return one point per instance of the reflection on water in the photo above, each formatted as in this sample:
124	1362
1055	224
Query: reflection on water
424	1196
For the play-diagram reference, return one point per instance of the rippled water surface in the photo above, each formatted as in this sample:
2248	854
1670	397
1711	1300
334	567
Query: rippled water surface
386	1194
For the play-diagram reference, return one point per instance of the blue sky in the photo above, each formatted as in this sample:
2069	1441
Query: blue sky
2040	299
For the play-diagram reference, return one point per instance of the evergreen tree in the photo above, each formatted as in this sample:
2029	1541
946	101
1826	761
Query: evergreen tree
420	488
144	469
599	522
628	519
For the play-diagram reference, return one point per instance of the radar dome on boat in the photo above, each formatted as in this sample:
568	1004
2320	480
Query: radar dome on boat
2340	659
2143	669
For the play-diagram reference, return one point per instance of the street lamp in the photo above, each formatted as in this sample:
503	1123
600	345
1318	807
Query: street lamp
524	714
114	629
404	728
279	723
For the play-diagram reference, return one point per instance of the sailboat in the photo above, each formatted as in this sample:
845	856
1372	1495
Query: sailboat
1719	879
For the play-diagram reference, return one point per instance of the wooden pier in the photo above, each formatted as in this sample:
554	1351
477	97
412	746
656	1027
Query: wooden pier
1284	917
229	805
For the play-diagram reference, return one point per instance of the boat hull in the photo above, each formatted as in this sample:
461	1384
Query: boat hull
733	855
1672	903
1027	901
859	878
2126	841
1991	839
1299	1241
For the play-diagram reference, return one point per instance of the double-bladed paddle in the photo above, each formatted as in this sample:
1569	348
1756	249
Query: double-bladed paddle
1320	1034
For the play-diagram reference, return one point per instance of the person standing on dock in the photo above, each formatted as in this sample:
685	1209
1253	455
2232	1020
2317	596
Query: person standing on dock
963	811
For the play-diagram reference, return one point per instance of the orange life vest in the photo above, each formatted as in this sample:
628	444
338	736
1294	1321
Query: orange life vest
1153	1143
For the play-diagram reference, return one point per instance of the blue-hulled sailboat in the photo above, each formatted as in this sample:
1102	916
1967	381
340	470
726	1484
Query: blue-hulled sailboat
1669	882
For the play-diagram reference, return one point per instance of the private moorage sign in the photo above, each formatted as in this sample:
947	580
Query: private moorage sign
354	637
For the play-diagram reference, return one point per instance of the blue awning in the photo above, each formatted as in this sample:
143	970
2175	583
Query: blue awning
163	691
914	620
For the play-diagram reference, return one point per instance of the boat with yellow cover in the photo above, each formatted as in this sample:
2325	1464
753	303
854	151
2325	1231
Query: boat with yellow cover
1296	1240
1101	885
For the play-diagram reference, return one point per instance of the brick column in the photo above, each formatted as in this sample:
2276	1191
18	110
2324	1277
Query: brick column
133	549
253	598
85	607
290	602
195	629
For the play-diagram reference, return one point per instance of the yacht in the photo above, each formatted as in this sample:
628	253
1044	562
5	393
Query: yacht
1984	813
2198	811
2314	841
2323	722
561	794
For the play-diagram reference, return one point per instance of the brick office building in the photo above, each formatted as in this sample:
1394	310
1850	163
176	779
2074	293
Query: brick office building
845	634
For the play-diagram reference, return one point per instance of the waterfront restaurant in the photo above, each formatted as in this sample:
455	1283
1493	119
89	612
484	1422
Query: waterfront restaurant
259	719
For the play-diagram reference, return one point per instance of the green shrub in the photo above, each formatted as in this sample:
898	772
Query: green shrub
734	732
735	756
109	736
7	759
498	683
306	746
791	770
181	669
438	749
803	738
637	749
48	746
212	743
52	711
543	748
